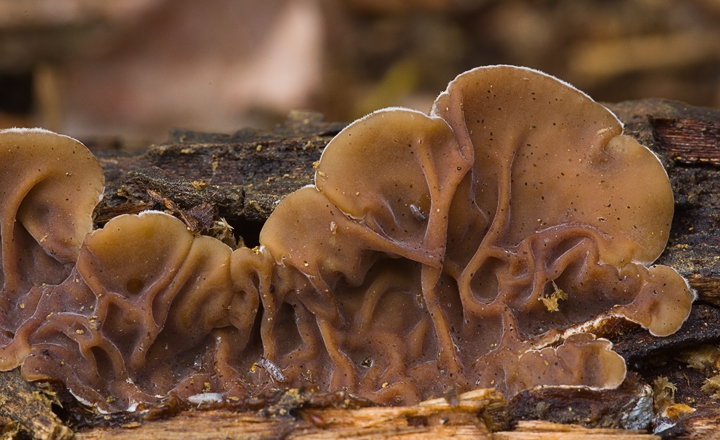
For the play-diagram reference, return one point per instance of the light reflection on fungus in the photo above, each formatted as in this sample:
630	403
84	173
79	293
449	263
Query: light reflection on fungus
478	246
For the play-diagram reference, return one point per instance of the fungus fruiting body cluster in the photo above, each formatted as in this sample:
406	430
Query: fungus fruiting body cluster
466	248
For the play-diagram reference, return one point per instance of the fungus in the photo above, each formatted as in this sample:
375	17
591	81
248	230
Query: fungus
148	308
477	246
530	190
49	185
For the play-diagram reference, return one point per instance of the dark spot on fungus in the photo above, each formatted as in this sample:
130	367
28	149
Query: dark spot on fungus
134	285
417	288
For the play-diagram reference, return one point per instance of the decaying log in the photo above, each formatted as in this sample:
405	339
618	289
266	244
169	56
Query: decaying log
26	407
472	416
227	185
537	430
630	407
209	179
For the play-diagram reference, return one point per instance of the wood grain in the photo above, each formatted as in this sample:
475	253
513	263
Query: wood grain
470	418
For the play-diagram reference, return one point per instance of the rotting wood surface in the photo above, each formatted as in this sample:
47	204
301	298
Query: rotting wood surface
468	418
206	179
216	182
24	407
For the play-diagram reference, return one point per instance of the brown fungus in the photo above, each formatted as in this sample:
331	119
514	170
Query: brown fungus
49	185
149	309
530	189
476	246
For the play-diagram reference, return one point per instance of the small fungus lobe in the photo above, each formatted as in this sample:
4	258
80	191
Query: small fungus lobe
477	246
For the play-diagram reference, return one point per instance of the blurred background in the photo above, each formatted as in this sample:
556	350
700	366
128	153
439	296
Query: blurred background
133	69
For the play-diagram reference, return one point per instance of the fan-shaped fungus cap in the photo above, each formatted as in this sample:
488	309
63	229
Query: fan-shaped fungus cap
580	360
49	185
552	164
395	171
559	158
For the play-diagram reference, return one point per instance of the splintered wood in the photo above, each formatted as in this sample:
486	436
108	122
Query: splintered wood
539	430
27	407
470	415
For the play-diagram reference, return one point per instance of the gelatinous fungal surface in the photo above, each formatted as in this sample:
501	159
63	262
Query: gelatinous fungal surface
49	185
477	246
